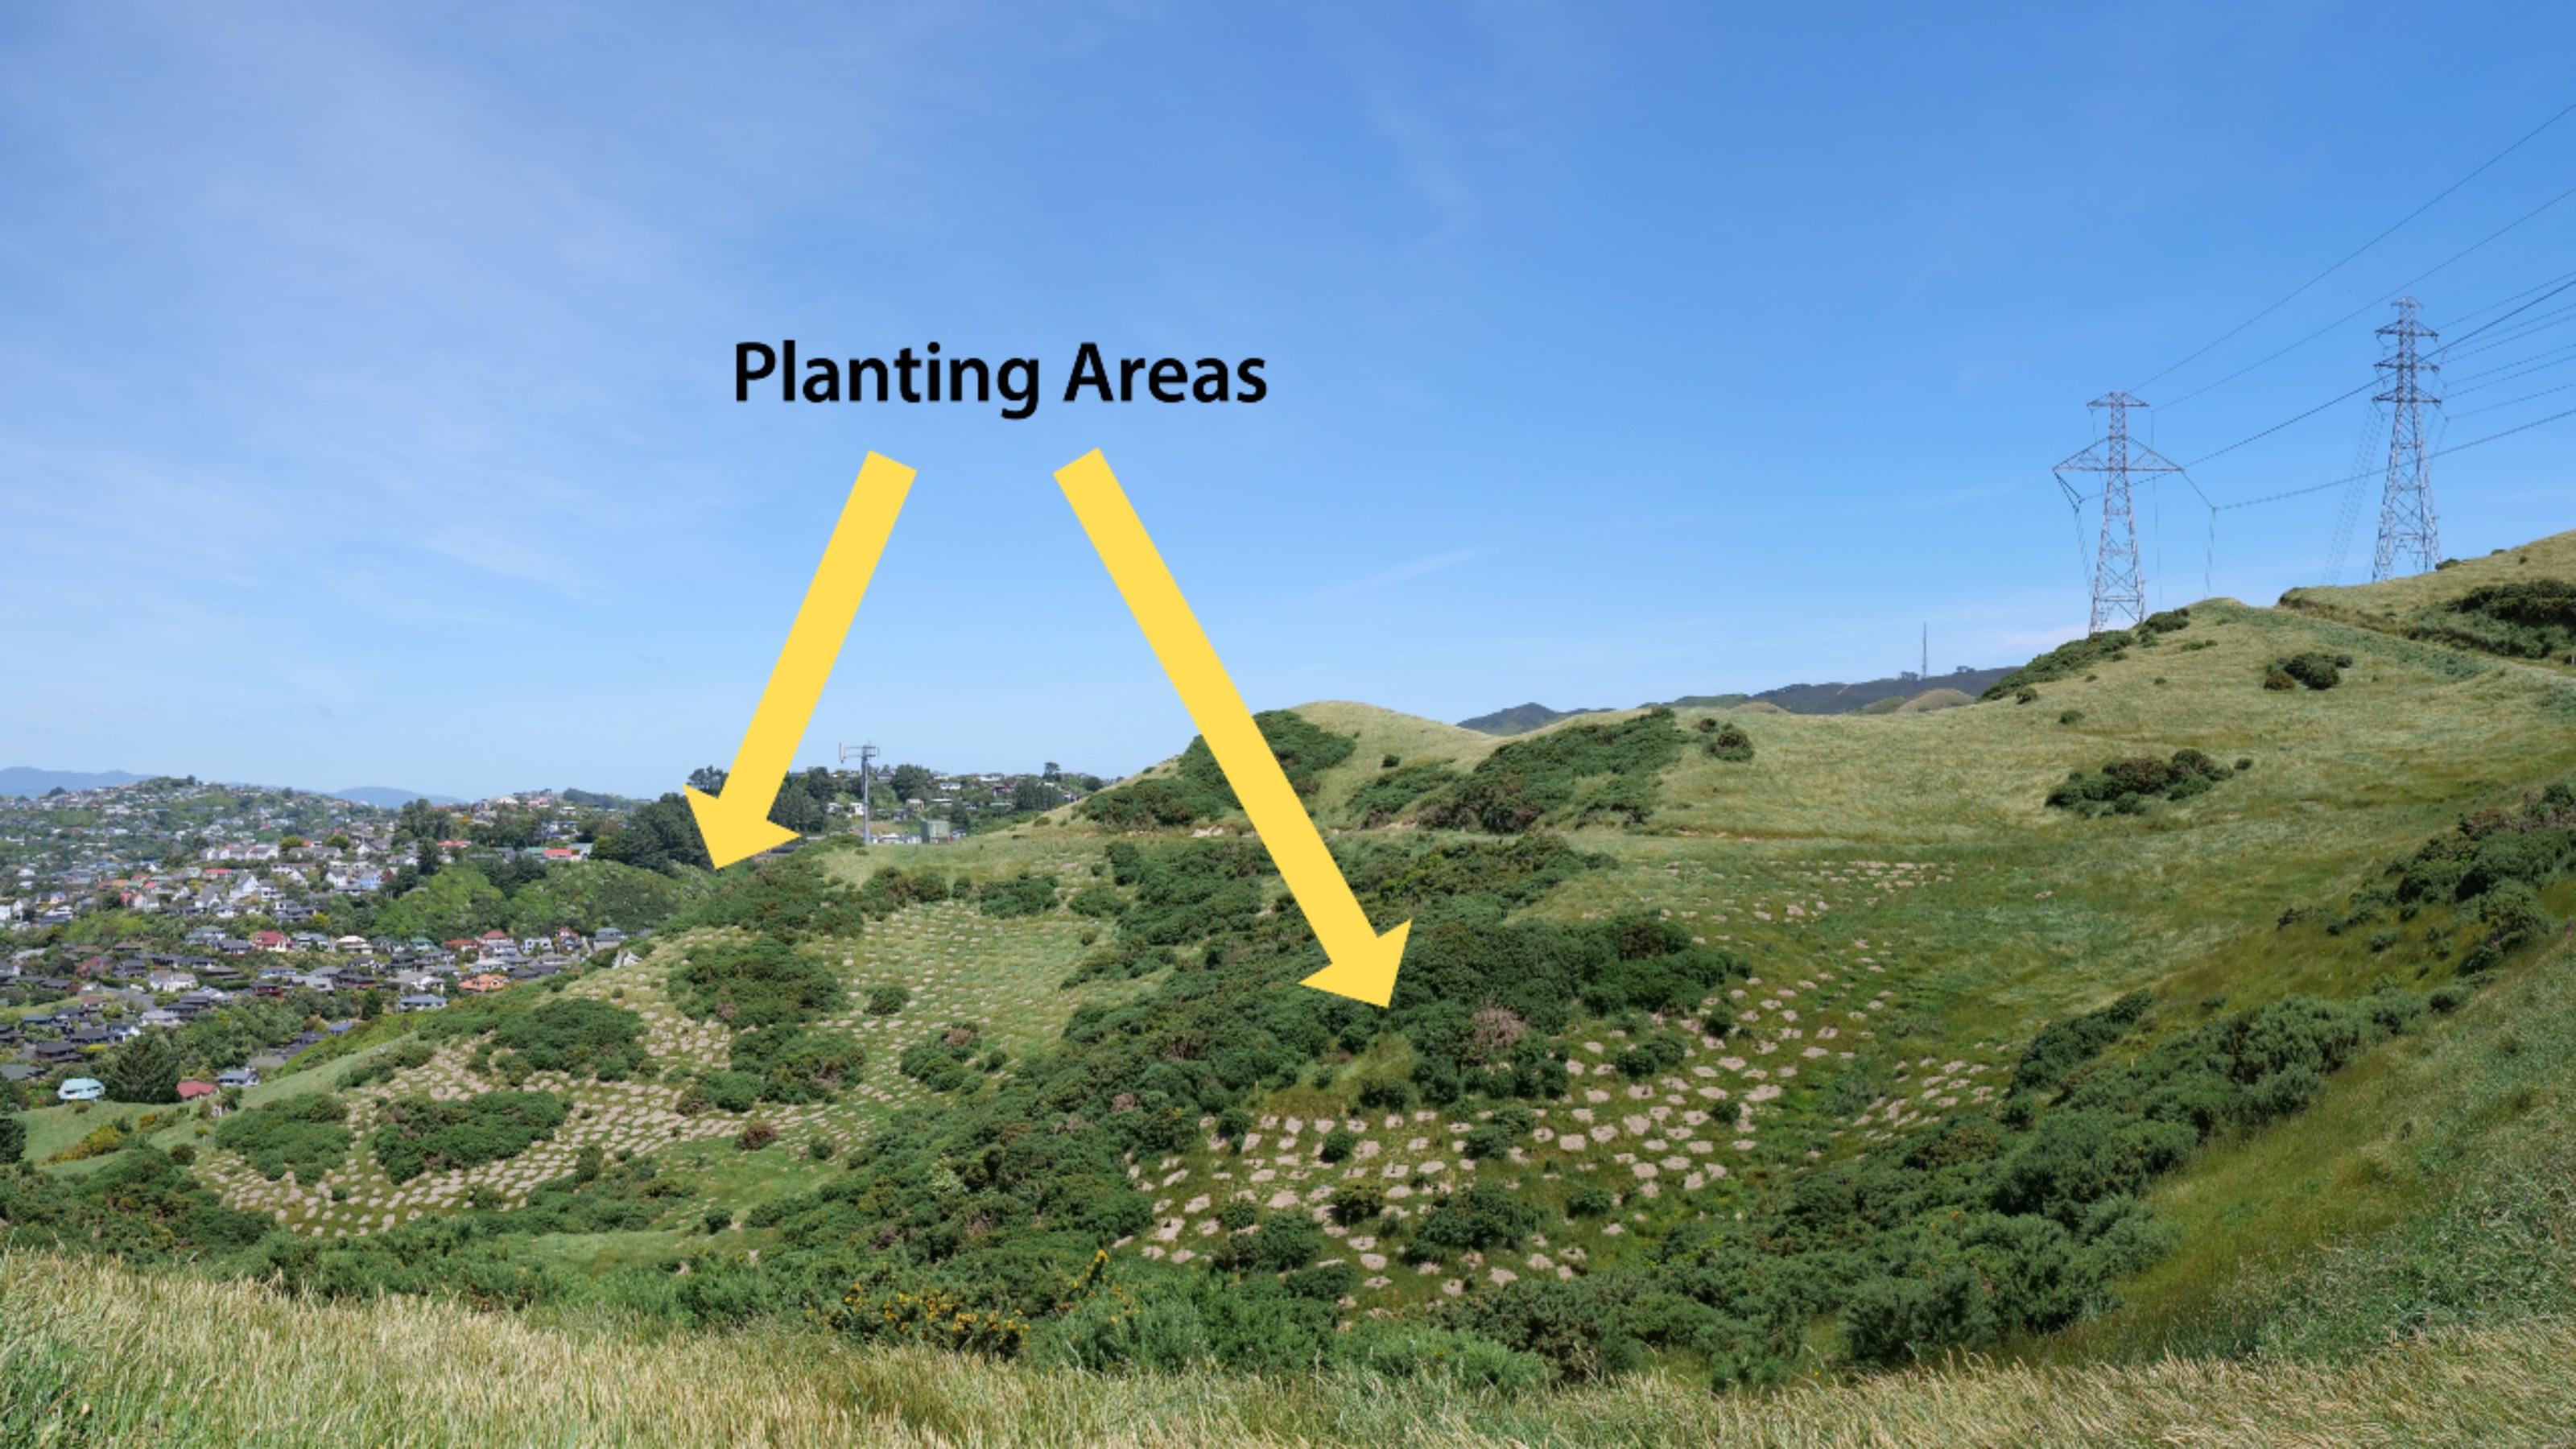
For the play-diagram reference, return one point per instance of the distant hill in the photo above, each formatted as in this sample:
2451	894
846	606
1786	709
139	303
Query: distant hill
1520	719
387	796
26	780
1794	698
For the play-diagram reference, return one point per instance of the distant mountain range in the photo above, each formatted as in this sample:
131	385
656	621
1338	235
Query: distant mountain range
27	780
1795	698
387	796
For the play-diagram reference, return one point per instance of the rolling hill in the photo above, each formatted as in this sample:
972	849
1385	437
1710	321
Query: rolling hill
1887	694
2165	1009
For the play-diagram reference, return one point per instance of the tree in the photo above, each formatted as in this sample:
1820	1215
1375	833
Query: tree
707	779
146	1069
1053	769
1031	794
914	782
13	1140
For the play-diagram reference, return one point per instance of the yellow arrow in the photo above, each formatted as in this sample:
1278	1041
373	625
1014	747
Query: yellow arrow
1364	963
736	825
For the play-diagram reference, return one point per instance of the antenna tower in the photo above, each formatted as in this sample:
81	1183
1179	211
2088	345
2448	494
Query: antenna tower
867	777
2119	584
2409	539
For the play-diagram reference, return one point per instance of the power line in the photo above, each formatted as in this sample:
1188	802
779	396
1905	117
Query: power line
2402	288
2366	246
2372	472
2526	397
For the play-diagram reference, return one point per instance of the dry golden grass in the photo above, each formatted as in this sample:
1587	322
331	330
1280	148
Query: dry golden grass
2551	557
96	1354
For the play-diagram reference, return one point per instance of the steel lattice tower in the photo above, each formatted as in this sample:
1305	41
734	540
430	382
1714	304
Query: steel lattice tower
2119	583
2409	539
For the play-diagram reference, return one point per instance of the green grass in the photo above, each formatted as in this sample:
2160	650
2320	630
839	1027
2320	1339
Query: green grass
1911	911
106	1357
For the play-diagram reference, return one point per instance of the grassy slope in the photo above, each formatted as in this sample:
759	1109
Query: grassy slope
2388	605
106	1357
1900	878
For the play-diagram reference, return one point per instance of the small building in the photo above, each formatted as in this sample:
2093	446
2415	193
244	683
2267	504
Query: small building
191	1091
237	1077
420	1001
484	983
81	1089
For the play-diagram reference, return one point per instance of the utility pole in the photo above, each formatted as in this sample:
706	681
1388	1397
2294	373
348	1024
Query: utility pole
1927	651
2119	584
867	797
2409	539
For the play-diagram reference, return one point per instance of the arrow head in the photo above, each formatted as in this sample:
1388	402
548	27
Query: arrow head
1365	972
735	832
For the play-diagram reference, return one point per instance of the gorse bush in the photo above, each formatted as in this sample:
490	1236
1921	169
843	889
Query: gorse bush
2125	785
1573	775
2312	669
1384	798
1028	894
796	1064
419	1134
893	889
383	1066
307	1136
1725	740
760	982
579	1036
787	899
2066	1044
1198	790
2523	620
2079	655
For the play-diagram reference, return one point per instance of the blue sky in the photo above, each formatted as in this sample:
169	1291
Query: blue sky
366	408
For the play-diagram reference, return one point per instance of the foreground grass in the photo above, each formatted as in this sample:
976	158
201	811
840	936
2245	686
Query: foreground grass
93	1354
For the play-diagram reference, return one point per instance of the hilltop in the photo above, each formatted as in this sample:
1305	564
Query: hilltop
2516	603
1880	694
2201	990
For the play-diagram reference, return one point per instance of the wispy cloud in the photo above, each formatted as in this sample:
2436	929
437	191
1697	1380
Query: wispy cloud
1399	574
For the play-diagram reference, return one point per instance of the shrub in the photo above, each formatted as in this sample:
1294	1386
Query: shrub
1285	1243
1237	1214
1338	1144
383	1066
755	983
13	1140
2126	785
888	998
305	1135
1573	775
1383	798
579	1036
1726	741
2512	915
1097	901
2313	669
1413	1351
795	1064
893	889
2072	716
1027	894
788	899
941	1062
1354	1203
1198	789
418	1134
755	1135
1482	1217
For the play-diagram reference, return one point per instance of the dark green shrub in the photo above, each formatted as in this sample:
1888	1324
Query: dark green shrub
578	1035
1097	901
2313	669
1238	1213
1338	1144
1285	1243
797	1064
789	899
1726	740
1027	894
755	983
942	1062
894	889
1480	1218
1354	1203
2126	785
1385	1096
1571	775
13	1140
1487	1142
1382	799
418	1134
888	998
305	1135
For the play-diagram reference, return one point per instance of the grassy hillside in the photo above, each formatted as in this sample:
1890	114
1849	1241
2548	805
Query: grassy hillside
2516	602
109	1357
2206	992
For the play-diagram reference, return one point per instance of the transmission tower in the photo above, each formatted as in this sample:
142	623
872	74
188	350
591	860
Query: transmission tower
2119	584
2409	540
